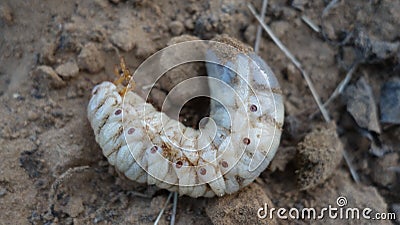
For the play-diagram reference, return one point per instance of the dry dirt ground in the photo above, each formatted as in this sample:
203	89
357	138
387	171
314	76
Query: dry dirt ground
53	52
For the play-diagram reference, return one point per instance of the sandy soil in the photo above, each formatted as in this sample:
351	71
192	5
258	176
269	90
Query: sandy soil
53	52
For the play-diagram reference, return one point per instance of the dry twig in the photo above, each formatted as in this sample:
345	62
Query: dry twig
310	23
259	28
175	204
163	208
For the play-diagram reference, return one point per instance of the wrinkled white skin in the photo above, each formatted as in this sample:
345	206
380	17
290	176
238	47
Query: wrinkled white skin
222	167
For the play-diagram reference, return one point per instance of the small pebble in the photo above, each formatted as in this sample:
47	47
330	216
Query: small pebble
47	53
32	116
361	105
124	39
298	4
250	34
292	72
68	70
381	172
390	101
280	28
176	28
90	58
144	44
189	24
48	74
6	14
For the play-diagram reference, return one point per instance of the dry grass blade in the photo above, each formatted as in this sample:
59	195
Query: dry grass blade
351	168
294	61
259	28
163	208
329	6
310	23
175	204
339	89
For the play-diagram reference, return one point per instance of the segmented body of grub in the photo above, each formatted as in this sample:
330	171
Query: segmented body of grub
228	152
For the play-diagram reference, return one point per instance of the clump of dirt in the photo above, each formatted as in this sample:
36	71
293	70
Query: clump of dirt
232	209
318	155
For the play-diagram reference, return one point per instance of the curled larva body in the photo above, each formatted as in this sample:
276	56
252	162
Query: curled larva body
226	154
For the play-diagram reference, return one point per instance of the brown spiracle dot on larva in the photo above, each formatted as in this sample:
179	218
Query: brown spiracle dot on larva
246	141
224	164
146	147
154	149
203	171
118	111
178	164
131	130
253	108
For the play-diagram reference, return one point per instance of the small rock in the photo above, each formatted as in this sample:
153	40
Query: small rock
292	72
298	4
189	24
101	3
361	105
32	116
68	70
128	35
90	58
6	14
124	39
47	53
241	207
384	50
375	50
280	28
381	172
46	73
250	34
176	28
390	101
319	155
144	43
330	31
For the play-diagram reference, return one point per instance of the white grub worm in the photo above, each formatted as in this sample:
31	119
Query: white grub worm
229	150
